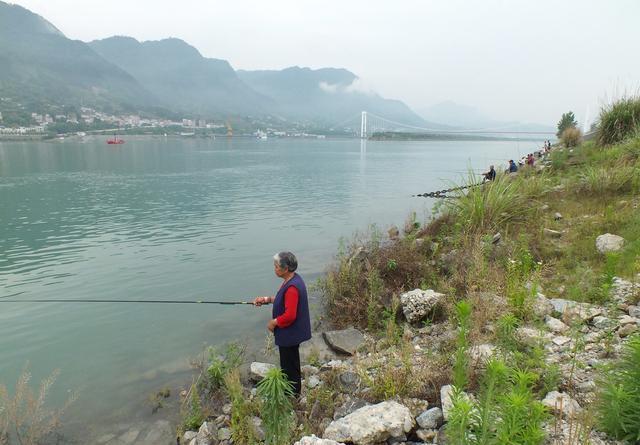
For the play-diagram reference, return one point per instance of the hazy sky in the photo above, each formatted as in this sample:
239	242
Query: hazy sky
515	60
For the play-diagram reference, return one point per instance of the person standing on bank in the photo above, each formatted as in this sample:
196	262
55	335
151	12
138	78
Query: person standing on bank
290	321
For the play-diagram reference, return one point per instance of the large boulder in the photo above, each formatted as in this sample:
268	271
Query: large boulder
346	341
418	303
609	243
372	424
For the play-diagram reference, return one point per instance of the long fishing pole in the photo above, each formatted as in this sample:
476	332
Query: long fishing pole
131	301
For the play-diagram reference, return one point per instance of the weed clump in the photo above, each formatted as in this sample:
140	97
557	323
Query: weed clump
571	137
619	121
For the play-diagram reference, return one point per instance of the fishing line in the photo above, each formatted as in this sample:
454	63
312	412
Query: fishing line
131	301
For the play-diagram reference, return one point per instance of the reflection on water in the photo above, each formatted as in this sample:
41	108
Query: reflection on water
181	219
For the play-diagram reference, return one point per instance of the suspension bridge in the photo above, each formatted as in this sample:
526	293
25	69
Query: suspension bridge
371	124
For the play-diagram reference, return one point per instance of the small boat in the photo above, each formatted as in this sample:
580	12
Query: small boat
115	141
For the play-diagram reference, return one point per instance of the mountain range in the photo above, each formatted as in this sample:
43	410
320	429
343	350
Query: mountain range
41	66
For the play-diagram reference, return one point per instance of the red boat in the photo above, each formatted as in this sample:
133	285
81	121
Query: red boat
115	141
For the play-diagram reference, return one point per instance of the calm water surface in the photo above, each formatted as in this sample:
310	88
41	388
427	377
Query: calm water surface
179	219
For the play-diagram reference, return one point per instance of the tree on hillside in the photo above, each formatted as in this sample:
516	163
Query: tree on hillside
568	121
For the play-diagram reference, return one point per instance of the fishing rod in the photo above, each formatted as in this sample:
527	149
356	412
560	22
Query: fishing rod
131	301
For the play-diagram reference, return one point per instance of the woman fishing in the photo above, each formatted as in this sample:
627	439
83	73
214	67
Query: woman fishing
290	321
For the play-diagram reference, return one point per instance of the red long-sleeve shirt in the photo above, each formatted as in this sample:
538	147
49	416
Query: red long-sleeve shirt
291	296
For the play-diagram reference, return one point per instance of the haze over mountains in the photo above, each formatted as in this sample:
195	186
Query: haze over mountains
41	66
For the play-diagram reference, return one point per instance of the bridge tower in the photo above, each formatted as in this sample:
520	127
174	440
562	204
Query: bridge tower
363	125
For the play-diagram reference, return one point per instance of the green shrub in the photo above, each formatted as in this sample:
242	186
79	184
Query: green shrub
619	121
275	392
194	417
571	137
618	402
602	180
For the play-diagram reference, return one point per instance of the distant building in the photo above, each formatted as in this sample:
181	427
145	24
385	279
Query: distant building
187	123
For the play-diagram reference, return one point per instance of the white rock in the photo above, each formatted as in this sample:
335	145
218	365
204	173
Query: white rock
552	233
206	434
313	440
609	243
259	370
559	402
188	436
530	336
555	325
371	424
446	398
417	304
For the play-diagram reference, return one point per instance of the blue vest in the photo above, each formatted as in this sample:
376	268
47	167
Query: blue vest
300	329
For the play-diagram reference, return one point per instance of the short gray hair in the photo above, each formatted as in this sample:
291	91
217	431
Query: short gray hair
286	260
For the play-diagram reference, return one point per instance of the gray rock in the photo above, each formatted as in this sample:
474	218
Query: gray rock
530	336
627	330
496	238
258	370
313	440
207	433
601	322
308	370
316	349
431	419
559	402
188	436
623	290
313	381
348	407
557	216
349	381
371	424
552	233
346	341
634	311
446	394
555	325
625	319
609	243
561	340
417	304
542	306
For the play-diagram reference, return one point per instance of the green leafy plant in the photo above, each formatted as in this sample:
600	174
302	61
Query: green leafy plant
194	416
618	402
275	392
619	120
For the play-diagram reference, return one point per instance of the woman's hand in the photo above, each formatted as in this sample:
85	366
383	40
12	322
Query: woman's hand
259	301
272	324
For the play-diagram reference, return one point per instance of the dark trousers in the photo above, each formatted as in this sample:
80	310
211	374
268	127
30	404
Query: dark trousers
290	364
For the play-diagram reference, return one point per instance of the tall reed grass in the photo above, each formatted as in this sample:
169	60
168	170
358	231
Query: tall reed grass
619	121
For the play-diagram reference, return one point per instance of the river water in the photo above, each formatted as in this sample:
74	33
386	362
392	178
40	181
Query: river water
182	219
